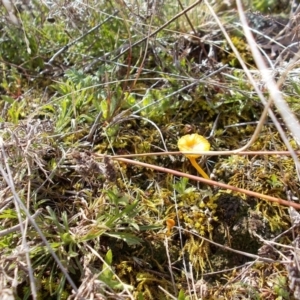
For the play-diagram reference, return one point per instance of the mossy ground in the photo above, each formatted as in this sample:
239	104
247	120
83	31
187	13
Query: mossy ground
64	119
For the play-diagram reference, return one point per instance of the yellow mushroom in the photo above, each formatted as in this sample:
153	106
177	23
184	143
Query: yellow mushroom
194	143
170	224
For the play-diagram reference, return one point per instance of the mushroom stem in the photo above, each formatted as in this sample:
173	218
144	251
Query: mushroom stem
198	168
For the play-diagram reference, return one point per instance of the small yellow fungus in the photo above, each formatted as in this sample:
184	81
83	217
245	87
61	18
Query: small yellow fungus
194	143
170	224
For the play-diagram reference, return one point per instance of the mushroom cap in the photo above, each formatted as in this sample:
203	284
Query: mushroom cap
193	143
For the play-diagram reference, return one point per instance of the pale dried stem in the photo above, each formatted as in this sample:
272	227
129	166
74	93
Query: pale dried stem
275	94
7	176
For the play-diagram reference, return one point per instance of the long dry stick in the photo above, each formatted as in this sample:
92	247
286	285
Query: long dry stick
210	182
208	153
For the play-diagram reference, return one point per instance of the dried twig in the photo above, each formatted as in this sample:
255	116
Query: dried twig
210	182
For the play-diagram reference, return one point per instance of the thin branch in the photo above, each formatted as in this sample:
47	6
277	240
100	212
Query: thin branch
210	182
208	153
